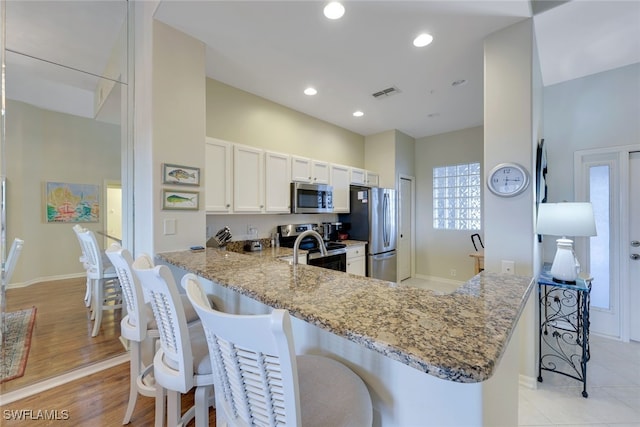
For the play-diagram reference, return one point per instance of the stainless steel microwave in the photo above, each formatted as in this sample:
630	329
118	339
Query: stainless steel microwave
311	198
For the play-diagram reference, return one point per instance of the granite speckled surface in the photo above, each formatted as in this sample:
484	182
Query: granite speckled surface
457	336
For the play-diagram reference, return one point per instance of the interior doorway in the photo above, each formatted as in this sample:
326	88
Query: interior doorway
113	207
406	226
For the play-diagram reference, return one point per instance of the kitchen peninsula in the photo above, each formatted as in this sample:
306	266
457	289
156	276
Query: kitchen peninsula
428	358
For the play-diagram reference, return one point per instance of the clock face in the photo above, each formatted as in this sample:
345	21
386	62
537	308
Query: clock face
508	179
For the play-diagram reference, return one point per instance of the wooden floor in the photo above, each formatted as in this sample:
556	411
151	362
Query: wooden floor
96	400
62	342
62	333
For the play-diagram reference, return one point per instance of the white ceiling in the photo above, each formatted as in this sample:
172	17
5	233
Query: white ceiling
275	49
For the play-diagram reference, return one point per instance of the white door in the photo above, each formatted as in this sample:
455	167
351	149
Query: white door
405	232
634	245
610	179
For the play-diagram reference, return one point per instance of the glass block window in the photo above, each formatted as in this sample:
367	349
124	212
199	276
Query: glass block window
456	197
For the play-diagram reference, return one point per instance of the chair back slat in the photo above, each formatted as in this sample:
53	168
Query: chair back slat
91	253
136	323
161	291
254	362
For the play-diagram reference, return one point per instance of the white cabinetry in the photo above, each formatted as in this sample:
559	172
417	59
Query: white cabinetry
373	179
248	179
309	170
319	172
218	176
277	179
300	169
340	180
356	260
358	176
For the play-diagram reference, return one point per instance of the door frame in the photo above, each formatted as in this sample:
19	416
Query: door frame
621	181
412	234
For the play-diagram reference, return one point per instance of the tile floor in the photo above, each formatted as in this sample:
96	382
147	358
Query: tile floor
613	384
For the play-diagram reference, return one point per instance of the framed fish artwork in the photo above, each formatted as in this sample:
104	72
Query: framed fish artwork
180	175
180	200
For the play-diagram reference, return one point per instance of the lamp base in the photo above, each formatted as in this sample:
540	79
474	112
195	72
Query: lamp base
565	266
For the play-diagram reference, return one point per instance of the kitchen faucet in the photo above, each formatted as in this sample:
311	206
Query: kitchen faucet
296	245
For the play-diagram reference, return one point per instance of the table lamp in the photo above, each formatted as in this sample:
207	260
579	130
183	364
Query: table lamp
566	219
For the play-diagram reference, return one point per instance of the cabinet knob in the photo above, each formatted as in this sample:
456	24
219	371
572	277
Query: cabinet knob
228	205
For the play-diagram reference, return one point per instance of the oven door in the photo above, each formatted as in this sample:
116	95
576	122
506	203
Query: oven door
332	262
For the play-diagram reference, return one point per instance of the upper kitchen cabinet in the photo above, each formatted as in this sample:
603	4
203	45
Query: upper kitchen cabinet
248	179
309	170
277	182
340	180
300	169
218	176
372	179
319	172
364	177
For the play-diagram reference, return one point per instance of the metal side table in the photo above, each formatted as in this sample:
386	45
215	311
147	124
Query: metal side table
564	327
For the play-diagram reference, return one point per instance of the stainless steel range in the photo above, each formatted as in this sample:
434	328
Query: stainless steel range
336	258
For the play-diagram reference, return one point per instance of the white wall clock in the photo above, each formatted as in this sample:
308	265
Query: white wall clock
508	179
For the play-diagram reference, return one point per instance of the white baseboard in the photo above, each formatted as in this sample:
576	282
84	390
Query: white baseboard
36	388
44	279
439	279
528	382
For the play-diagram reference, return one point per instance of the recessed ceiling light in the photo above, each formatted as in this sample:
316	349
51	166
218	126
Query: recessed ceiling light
459	82
334	10
358	114
310	91
423	40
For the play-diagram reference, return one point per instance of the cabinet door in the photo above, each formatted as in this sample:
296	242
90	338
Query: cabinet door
356	261
277	181
340	179
248	179
358	176
320	172
218	176
373	179
300	169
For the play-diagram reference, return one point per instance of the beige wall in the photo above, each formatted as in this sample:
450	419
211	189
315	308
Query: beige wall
440	251
45	146
238	116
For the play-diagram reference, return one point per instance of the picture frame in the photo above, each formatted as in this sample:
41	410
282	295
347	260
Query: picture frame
180	200
180	175
71	203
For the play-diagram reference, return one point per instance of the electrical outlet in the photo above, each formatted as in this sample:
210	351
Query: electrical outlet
453	272
508	267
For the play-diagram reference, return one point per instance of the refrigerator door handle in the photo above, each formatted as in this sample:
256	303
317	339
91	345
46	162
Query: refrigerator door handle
385	219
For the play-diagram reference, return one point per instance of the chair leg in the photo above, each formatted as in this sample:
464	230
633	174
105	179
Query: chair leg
161	397
173	408
97	309
87	294
202	405
134	371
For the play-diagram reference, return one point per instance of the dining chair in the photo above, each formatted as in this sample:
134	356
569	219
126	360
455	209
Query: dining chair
138	327
12	259
182	361
259	380
106	291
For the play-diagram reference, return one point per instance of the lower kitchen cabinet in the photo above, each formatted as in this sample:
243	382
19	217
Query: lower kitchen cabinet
356	260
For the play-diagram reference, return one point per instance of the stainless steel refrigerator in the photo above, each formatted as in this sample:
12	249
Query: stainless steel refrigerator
373	218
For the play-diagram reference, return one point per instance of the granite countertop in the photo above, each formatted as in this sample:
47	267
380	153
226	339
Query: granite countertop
458	336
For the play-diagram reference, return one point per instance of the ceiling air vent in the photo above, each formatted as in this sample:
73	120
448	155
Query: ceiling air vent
386	92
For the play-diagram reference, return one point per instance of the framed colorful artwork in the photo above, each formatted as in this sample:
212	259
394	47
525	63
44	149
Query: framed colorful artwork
67	202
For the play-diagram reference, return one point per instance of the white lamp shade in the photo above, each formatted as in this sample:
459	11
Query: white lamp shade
566	219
